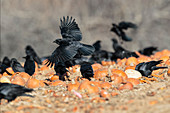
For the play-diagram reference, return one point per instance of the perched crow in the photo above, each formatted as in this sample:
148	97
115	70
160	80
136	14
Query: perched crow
11	91
30	51
16	66
86	70
6	61
69	45
118	29
60	70
29	65
120	52
146	68
3	68
100	55
97	45
148	51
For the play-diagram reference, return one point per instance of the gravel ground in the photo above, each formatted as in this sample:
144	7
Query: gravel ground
144	98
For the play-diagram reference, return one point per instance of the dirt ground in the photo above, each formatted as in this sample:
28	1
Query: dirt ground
152	97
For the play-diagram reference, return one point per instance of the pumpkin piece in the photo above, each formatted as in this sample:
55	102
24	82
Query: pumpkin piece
33	83
114	94
9	69
96	66
24	75
120	73
106	63
101	73
128	86
55	77
133	73
42	84
96	83
130	67
165	52
164	58
117	79
168	72
131	61
157	55
105	85
5	74
104	94
143	59
133	81
4	79
168	62
138	53
88	87
17	80
71	86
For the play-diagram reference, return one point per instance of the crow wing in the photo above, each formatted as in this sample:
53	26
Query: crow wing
69	29
62	54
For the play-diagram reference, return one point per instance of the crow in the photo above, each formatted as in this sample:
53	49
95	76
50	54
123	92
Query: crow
6	61
120	52
100	55
69	45
125	25
16	66
86	70
30	51
97	45
3	68
118	29
29	65
146	68
60	70
11	91
148	51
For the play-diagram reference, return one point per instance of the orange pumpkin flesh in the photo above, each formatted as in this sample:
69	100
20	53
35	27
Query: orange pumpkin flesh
33	83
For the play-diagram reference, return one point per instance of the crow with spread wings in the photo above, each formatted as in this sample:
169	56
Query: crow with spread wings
69	45
119	29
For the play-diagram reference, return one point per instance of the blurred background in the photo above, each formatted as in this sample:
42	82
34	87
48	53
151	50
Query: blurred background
36	23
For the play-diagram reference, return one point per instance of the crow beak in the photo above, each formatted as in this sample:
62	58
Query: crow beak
24	57
54	41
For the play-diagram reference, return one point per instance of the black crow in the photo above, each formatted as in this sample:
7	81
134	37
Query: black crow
118	29
16	66
120	52
146	68
148	51
100	55
97	45
69	45
3	68
125	25
60	70
30	51
11	91
86	70
6	61
29	65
